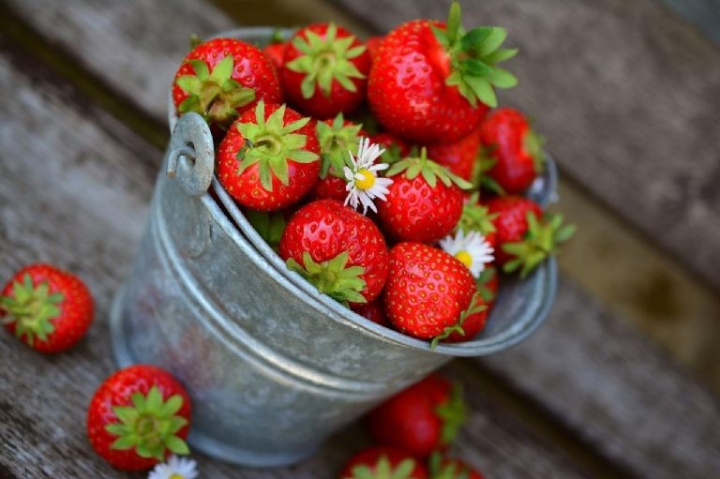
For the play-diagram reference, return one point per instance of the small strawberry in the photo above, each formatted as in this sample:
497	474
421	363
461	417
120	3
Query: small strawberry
337	249
460	157
46	308
451	468
525	236
424	202
338	138
378	462
513	149
221	78
420	419
428	291
432	82
138	417
275	49
269	158
325	70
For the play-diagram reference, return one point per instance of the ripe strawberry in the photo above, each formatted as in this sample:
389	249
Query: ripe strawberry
325	70
525	236
337	138
378	462
451	468
139	416
428	291
275	50
46	308
269	158
337	249
470	324
420	419
460	157
373	44
515	151
395	148
430	82
374	311
221	78
419	207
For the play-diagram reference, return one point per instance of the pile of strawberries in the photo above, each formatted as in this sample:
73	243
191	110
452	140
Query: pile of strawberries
412	433
377	170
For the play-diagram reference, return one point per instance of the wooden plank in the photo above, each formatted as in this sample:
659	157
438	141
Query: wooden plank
628	95
78	198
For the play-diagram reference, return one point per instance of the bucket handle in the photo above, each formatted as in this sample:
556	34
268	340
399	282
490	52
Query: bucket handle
191	155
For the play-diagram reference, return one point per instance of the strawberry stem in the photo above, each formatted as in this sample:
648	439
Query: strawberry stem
32	308
333	277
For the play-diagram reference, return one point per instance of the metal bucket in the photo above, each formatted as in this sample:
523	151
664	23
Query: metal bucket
273	367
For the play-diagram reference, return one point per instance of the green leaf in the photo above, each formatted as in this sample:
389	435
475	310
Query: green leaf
472	39
125	442
200	68
172	405
500	55
126	414
483	90
502	78
223	70
476	68
177	445
492	42
453	22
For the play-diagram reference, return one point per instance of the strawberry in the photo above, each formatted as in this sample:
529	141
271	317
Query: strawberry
451	468
374	311
422	418
395	148
428	291
337	249
275	49
431	82
469	325
513	148
525	236
46	308
373	44
379	462
325	70
221	78
269	158
419	207
337	138
139	416
460	157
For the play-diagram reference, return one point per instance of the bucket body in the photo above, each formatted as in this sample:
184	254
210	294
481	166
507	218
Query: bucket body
273	368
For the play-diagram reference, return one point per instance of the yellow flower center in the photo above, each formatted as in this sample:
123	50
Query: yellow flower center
367	181
465	258
177	476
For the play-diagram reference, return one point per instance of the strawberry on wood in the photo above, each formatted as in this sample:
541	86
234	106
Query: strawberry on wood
47	308
269	158
383	462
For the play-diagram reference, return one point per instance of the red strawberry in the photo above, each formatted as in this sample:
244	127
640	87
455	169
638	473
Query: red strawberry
374	311
514	150
337	249
431	82
459	156
470	324
379	462
138	416
46	308
419	207
325	70
269	158
373	44
395	148
525	237
451	468
337	137
275	50
428	291
420	419
221	78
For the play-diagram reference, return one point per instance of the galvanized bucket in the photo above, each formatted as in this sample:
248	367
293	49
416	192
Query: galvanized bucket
273	367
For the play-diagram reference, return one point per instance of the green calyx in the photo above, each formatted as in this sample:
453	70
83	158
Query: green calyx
533	144
540	241
452	414
150	425
270	144
336	140
476	217
214	95
383	469
324	60
481	282
431	171
270	226
333	277
476	306
485	162
32	309
446	470
474	57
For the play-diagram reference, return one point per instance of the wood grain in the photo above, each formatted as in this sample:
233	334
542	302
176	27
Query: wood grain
78	197
628	95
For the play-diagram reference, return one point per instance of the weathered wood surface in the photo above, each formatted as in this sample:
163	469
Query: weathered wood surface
628	94
77	196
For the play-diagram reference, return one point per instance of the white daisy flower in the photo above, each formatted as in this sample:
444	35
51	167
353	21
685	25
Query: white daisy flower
364	185
472	250
175	468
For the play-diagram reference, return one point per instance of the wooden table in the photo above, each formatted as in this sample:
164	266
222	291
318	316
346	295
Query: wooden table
621	382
